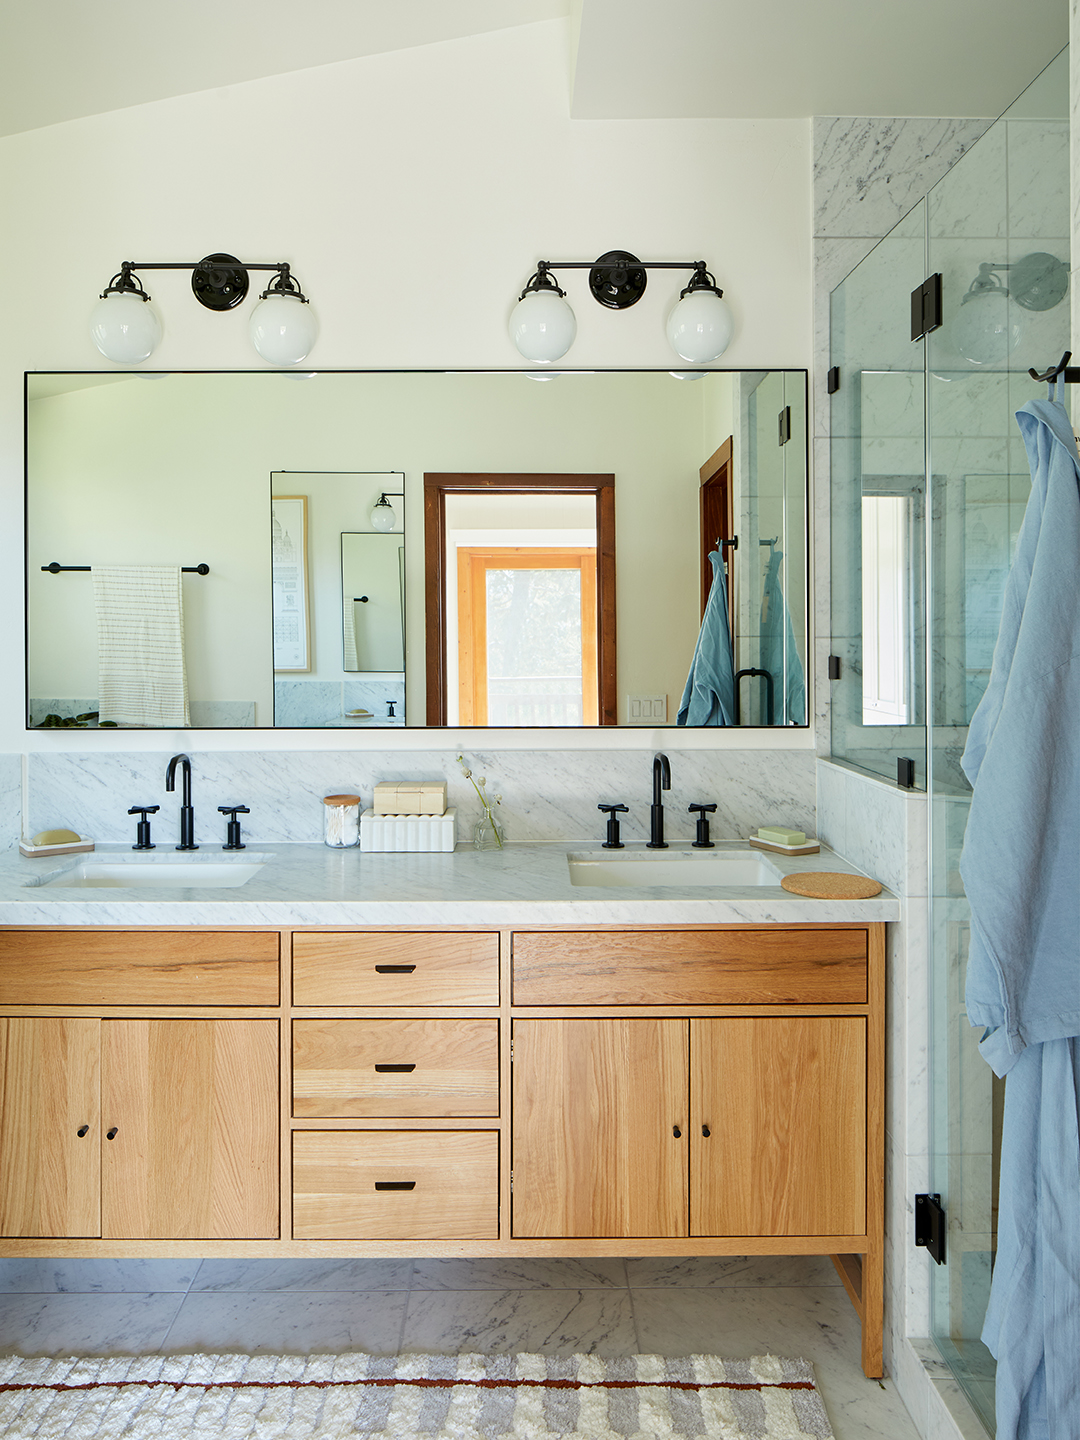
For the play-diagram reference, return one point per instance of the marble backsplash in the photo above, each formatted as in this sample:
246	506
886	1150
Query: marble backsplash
547	795
10	800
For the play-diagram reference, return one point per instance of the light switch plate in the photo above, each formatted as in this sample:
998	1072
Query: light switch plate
646	709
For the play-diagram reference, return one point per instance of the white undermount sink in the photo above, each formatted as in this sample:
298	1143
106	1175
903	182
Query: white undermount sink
737	869
168	872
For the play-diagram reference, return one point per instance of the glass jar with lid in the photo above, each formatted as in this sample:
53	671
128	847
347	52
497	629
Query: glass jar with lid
341	821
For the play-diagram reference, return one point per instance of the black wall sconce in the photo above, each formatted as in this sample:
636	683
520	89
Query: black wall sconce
543	327
283	328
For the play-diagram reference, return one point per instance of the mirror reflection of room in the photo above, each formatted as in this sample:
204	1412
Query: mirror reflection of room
169	471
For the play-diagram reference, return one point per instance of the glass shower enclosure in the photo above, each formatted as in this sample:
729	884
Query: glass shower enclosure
929	485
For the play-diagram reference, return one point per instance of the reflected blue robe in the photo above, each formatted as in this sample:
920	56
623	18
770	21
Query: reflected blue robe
779	653
1021	872
709	695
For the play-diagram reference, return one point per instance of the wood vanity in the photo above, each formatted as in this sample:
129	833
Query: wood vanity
616	1090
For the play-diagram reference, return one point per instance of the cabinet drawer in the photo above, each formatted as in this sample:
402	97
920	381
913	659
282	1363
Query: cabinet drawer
138	967
395	1185
764	966
391	1068
395	969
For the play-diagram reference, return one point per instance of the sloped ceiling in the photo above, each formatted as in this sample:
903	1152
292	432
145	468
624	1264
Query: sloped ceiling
627	59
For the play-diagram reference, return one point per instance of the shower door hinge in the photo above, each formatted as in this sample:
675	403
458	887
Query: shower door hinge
832	381
905	772
511	1182
834	667
926	307
930	1225
783	425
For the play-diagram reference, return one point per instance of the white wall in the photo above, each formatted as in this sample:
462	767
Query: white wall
414	193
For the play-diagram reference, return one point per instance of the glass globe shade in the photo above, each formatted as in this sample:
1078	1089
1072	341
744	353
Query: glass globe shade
125	328
983	331
688	374
700	327
542	326
283	328
383	517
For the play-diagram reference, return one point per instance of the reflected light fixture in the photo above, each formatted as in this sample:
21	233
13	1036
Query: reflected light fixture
986	330
383	515
543	327
126	328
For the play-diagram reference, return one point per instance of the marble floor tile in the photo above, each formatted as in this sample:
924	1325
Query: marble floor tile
303	1275
45	1277
299	1323
544	1322
85	1324
816	1324
715	1271
523	1274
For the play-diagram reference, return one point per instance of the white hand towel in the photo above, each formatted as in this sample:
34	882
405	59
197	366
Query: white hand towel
140	616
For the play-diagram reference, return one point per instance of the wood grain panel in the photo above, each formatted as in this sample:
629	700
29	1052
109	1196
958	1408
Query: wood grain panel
50	1175
395	968
340	1067
596	1105
454	1177
138	967
784	1101
690	967
194	1104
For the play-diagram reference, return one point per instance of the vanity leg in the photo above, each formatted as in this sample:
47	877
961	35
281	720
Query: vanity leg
873	1312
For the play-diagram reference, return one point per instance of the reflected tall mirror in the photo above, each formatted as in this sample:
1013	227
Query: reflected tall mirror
234	549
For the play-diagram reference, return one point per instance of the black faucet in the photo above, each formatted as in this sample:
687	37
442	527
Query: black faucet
187	814
661	780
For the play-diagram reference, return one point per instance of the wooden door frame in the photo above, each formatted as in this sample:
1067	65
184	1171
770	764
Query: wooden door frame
437	485
716	477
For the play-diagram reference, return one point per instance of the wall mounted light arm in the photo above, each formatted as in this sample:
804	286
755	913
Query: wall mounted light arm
543	326
280	332
383	517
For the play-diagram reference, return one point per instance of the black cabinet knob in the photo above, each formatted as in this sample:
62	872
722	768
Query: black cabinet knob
111	1134
706	1131
676	1132
82	1130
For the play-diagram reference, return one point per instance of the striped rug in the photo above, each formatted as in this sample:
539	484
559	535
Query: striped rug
439	1397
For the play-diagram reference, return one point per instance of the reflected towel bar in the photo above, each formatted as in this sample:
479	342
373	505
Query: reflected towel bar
55	569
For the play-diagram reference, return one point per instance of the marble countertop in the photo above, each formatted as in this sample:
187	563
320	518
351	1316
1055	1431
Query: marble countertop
524	884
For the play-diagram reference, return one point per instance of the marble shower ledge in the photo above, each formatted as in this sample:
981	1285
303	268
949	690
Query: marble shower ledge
525	884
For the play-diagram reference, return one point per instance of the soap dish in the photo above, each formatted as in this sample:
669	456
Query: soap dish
808	847
70	847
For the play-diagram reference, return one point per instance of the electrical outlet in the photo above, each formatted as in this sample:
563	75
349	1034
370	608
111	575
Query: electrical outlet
646	709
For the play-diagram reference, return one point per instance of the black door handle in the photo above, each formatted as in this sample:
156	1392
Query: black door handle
82	1130
111	1134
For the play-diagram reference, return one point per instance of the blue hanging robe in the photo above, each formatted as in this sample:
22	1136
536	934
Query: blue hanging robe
779	653
1021	872
709	695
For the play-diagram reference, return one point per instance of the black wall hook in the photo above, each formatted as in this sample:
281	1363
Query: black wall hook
1070	373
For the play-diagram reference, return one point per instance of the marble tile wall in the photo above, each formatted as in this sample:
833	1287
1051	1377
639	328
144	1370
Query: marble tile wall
547	795
10	800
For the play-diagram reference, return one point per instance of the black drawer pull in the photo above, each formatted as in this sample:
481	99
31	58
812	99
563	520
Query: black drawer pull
395	1184
394	969
395	1069
111	1134
82	1130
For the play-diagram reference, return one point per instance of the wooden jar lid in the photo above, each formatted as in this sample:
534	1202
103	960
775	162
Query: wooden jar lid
830	885
341	800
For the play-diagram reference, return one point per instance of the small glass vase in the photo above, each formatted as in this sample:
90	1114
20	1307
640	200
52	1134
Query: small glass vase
489	834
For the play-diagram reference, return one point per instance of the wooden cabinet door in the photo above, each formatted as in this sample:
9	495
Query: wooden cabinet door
784	1104
600	1118
192	1108
50	1137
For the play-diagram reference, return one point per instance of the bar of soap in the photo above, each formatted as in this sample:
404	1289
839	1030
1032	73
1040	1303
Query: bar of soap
777	836
56	837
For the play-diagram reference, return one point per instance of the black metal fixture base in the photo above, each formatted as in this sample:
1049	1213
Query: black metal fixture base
220	282
618	280
931	1226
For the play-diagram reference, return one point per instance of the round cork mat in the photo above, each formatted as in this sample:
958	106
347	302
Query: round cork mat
830	885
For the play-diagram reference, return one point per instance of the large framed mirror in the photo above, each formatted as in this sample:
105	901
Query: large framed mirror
249	549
